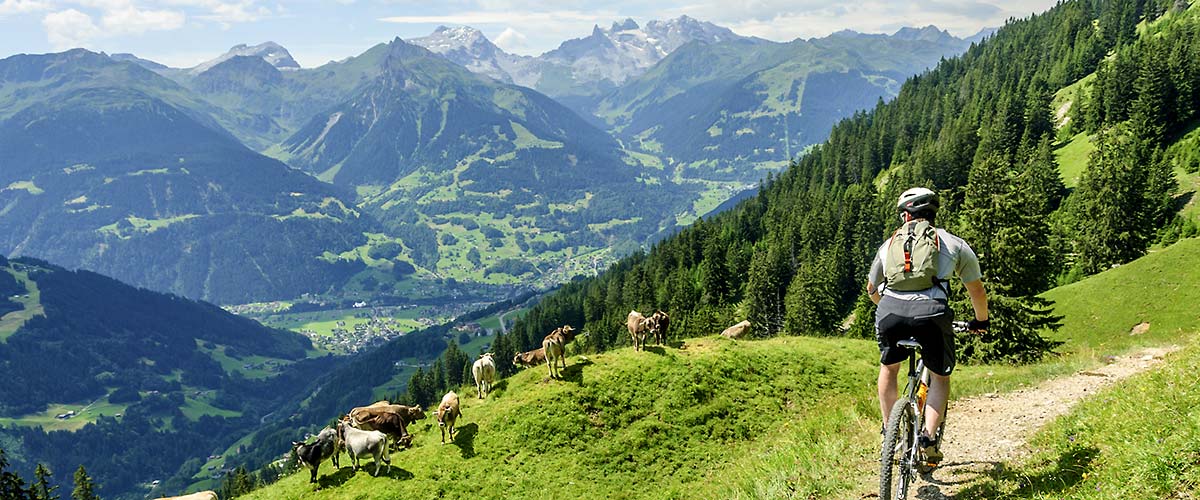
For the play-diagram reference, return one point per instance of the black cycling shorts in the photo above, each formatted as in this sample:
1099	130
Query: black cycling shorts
930	322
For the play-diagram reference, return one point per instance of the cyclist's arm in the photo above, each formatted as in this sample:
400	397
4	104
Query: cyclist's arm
978	299
873	291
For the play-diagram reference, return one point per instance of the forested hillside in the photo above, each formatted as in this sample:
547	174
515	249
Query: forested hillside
978	128
110	167
147	382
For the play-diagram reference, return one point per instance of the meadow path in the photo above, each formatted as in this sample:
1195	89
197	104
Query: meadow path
991	430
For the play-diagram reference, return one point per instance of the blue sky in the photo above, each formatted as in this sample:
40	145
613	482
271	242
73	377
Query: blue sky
186	32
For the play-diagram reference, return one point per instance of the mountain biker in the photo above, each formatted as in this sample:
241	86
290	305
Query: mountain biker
922	314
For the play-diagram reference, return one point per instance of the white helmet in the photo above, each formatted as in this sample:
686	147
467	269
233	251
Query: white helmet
917	199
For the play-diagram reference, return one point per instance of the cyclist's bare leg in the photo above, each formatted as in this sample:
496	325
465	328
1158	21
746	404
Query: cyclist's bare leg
935	402
887	389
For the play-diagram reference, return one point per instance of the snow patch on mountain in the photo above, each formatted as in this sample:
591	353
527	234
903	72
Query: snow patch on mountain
271	52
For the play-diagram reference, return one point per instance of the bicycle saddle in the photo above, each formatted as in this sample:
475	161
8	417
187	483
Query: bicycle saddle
912	344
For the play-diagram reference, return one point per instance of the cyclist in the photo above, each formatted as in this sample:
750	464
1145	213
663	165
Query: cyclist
909	309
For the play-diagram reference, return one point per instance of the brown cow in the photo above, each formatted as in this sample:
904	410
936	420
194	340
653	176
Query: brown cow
448	413
530	358
658	324
203	495
554	346
637	325
385	417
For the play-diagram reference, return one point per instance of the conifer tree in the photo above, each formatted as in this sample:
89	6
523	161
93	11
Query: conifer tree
11	484
42	489
83	486
812	299
1109	206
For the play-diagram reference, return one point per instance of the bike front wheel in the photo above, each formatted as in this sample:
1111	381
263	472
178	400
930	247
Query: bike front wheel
896	472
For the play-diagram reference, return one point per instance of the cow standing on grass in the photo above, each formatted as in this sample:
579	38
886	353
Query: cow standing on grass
637	325
555	347
447	414
657	324
327	445
359	443
484	371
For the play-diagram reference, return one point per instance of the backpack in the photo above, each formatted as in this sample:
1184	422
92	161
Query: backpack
912	257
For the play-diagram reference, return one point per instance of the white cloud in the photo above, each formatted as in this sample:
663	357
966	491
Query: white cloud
512	40
128	19
69	28
11	7
226	12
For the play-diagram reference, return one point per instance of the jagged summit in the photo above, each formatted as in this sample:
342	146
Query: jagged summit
928	33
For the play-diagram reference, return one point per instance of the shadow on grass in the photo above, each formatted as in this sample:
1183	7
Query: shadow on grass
344	474
1046	479
656	349
574	372
464	438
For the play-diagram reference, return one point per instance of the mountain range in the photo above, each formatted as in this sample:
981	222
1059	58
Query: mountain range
443	152
110	167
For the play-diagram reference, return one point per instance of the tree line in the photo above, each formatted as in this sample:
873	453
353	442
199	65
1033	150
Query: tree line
977	128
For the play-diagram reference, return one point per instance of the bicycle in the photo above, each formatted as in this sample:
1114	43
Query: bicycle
900	459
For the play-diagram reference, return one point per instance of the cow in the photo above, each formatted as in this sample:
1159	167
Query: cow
484	371
359	442
448	413
566	333
637	325
552	345
530	358
658	324
736	331
311	455
202	495
364	417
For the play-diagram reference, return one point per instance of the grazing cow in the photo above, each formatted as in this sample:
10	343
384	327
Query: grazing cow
737	331
359	443
658	324
637	325
484	371
203	495
311	455
448	413
530	358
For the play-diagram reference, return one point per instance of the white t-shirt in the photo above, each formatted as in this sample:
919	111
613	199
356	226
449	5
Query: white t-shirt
954	256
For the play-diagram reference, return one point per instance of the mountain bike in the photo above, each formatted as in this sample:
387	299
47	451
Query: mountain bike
900	457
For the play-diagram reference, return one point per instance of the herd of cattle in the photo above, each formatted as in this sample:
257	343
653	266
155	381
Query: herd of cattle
369	430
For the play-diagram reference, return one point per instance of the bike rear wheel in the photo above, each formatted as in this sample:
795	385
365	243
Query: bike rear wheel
896	471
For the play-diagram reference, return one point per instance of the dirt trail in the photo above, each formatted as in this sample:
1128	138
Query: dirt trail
975	445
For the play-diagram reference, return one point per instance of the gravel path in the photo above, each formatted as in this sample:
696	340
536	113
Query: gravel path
974	444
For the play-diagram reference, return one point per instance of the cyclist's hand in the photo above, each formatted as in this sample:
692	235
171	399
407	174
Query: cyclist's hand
977	326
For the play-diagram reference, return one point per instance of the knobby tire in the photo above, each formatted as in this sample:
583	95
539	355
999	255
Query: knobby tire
895	470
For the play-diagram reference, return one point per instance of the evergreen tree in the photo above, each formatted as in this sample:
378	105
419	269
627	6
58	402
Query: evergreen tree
767	284
716	279
1151	111
1109	206
11	484
812	299
83	486
42	489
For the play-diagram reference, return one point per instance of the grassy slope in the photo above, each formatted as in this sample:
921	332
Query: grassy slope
626	424
776	436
